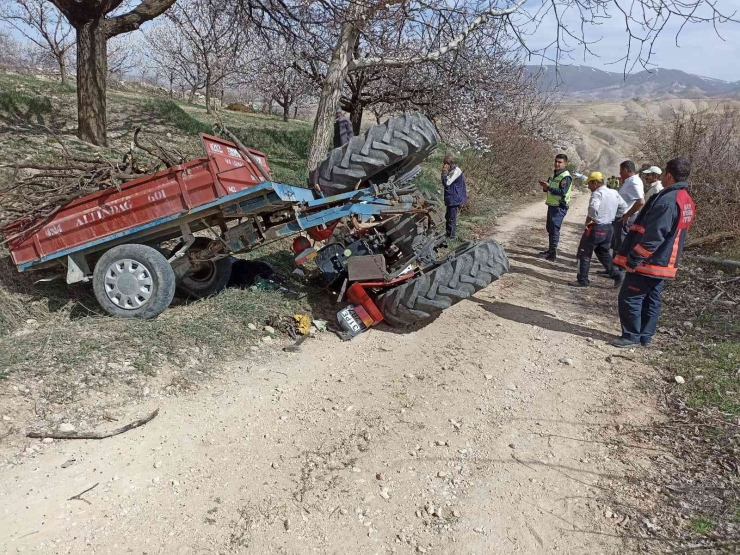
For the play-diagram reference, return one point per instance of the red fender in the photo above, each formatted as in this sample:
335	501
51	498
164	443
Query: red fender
319	234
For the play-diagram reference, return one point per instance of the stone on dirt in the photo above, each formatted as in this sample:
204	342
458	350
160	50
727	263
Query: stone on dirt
66	427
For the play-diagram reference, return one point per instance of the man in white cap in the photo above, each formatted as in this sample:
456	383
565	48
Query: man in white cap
653	186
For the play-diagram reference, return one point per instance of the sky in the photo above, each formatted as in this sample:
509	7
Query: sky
700	50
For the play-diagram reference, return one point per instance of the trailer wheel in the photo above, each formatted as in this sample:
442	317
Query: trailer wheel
391	148
472	267
210	278
133	281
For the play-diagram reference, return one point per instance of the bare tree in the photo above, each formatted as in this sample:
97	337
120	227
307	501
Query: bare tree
124	55
215	43
280	79
171	56
39	22
95	22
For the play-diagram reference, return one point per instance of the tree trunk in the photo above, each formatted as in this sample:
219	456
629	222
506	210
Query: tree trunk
355	117
208	93
62	70
323	125
191	95
295	111
286	107
92	71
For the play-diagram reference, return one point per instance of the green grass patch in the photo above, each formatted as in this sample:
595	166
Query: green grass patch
702	526
712	376
286	145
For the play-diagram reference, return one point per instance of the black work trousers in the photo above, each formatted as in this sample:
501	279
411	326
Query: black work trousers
596	239
451	220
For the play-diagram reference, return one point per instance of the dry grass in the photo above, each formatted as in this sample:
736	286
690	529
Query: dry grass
711	140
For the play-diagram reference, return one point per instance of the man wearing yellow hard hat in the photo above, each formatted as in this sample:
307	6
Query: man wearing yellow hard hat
604	207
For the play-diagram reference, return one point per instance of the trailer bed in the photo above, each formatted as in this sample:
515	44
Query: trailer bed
140	206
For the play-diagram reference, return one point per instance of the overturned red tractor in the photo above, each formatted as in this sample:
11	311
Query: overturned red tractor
373	235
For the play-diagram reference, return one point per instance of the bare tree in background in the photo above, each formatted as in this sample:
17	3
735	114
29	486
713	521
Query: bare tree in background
124	55
95	22
170	55
214	42
40	22
279	78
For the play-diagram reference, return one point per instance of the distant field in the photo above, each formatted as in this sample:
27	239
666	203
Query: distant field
606	132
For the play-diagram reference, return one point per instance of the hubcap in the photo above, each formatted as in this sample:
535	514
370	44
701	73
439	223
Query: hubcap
128	284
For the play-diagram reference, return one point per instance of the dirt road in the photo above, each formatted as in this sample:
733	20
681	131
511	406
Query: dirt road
488	431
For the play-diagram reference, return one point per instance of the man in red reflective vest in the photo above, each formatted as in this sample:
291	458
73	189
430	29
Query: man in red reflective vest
651	252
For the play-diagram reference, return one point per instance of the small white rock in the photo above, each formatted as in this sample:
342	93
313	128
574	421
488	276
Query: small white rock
384	493
267	339
489	376
145	391
679	379
441	474
47	440
251	326
66	427
269	329
158	464
567	361
284	417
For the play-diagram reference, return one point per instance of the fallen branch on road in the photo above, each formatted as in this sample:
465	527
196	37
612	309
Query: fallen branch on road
78	497
95	435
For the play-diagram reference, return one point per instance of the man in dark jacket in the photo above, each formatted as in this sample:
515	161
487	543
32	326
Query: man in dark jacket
558	189
456	193
342	130
651	252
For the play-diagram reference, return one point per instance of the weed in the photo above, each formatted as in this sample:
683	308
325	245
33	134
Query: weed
712	375
702	526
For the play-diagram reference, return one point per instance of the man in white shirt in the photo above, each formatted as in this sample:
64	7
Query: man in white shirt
633	193
652	182
604	207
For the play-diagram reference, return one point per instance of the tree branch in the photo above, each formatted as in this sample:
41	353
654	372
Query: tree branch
454	44
130	21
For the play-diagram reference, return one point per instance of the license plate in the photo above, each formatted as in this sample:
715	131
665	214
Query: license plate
349	321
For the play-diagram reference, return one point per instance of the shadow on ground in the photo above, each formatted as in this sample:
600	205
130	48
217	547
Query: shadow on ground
539	318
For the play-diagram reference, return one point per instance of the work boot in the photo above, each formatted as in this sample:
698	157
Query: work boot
552	256
603	273
618	279
624	343
577	283
543	254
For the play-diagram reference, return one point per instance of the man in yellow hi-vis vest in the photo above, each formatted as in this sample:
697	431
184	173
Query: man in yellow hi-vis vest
558	189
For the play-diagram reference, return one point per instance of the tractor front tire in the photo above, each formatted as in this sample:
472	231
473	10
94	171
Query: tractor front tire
471	268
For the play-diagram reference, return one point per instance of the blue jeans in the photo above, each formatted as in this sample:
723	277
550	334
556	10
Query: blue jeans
639	306
555	217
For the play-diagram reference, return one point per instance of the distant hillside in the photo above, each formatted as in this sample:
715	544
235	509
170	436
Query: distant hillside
588	83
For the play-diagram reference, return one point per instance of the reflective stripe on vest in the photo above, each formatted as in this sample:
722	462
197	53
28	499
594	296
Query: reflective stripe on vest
647	269
554	200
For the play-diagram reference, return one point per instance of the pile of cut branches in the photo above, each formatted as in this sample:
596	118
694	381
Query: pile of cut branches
35	191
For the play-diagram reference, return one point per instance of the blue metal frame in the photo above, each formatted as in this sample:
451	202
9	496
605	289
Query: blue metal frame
255	199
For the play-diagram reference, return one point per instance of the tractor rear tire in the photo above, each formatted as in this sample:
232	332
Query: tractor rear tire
388	149
474	266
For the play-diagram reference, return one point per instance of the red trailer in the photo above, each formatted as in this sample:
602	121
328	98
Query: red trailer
385	259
